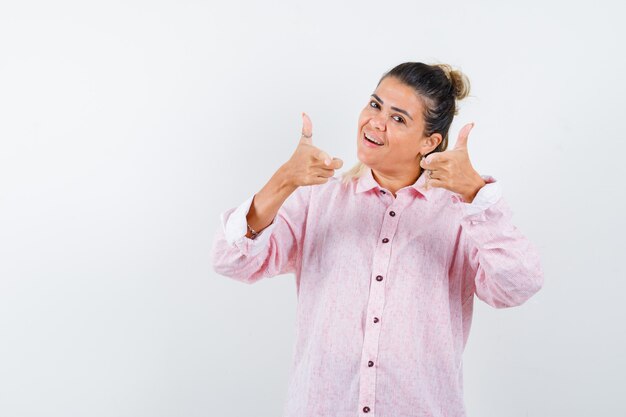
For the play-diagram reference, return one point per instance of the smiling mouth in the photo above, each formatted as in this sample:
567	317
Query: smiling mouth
371	140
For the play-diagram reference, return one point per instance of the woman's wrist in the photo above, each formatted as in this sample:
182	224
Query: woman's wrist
282	181
267	202
470	194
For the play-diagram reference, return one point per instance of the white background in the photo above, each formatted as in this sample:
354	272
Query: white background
126	128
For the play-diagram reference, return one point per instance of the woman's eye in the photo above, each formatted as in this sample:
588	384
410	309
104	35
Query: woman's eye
375	105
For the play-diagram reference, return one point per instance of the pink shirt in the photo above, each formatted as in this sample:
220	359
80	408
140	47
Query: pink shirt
385	289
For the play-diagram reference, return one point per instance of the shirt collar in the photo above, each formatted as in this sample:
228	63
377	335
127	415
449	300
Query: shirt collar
366	182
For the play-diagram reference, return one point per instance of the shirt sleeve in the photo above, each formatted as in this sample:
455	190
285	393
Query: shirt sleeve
487	196
504	266
274	251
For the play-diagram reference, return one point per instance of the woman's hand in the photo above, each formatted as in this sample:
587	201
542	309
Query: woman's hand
453	170
309	165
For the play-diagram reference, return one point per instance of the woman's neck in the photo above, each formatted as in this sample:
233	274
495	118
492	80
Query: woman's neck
394	182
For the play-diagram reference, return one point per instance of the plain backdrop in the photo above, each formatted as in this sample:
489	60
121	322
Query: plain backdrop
127	127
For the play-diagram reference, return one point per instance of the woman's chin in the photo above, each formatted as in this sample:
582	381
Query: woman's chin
365	158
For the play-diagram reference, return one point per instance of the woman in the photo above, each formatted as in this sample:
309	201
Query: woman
387	260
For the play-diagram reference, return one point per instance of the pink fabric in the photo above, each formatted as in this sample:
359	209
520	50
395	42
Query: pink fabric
381	327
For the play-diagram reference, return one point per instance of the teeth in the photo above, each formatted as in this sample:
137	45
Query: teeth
372	139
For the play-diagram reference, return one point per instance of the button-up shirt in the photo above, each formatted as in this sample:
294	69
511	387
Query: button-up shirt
385	289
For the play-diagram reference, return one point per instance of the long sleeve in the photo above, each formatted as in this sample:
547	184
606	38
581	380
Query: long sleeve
487	196
275	251
504	265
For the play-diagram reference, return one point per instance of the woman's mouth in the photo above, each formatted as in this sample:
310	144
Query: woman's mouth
371	141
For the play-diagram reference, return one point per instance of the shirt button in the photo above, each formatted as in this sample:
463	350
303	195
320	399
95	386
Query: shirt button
379	278
385	240
375	319
366	409
370	364
392	213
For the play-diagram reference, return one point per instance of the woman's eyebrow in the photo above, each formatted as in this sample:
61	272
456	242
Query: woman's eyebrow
392	108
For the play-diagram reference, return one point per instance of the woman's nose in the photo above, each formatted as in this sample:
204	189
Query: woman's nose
378	122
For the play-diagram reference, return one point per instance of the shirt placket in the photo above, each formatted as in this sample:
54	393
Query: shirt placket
376	302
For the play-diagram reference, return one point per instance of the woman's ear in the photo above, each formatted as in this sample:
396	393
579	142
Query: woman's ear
431	143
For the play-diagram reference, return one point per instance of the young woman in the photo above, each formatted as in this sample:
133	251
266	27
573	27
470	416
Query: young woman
388	258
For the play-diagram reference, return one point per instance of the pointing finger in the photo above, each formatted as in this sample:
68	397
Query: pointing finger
429	161
323	156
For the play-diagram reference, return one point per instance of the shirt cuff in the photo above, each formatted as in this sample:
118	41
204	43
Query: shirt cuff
487	196
236	228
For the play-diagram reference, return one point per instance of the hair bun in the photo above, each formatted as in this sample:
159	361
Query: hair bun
460	82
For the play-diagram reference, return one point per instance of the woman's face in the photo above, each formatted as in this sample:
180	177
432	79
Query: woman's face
393	116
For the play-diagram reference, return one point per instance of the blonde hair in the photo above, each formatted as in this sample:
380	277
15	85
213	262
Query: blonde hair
440	87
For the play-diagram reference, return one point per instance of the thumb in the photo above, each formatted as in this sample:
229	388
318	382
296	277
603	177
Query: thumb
307	129
461	142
